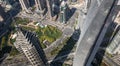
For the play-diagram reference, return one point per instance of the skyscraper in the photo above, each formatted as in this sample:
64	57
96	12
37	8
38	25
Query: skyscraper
25	5
92	32
30	49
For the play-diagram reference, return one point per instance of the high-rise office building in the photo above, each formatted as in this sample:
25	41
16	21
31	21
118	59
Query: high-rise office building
114	46
7	4
63	12
25	5
27	44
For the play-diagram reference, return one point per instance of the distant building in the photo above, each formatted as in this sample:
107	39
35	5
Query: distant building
1	18
2	14
114	47
6	4
25	5
72	1
27	44
55	9
57	2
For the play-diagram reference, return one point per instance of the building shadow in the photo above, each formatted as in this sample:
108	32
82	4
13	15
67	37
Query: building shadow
15	10
116	31
108	36
44	6
6	26
70	13
32	3
8	16
106	40
5	49
45	11
66	50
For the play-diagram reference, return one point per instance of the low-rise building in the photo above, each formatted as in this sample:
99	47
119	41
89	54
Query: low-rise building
116	59
114	46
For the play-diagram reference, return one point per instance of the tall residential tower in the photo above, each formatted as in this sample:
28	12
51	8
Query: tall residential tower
27	43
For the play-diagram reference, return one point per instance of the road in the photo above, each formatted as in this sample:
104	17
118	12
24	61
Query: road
60	58
66	29
43	20
34	16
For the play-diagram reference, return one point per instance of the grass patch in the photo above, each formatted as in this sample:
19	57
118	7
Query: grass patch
23	21
65	65
28	28
48	33
5	40
14	51
7	45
